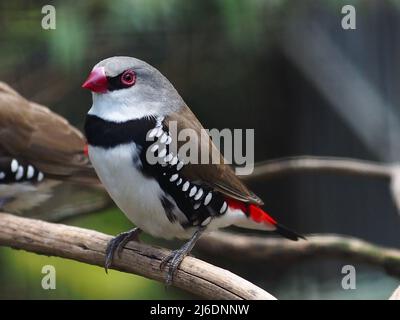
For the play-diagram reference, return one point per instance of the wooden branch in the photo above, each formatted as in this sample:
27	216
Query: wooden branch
311	164
195	276
262	249
317	165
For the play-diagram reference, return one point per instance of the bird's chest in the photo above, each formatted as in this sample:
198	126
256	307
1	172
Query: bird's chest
136	194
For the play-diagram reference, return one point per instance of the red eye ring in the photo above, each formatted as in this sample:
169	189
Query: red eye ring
128	78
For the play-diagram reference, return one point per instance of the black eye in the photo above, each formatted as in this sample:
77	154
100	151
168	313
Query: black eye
128	78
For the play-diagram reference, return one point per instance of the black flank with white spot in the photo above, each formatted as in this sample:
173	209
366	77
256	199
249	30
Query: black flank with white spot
14	170
197	202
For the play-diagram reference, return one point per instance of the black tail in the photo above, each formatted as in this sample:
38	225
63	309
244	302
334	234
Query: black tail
289	234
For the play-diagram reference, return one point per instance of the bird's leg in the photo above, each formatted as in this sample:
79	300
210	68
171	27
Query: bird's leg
176	256
117	244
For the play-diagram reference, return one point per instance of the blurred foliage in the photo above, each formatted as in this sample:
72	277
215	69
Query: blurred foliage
89	29
81	24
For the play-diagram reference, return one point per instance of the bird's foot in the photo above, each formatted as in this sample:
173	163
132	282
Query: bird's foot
117	244
175	258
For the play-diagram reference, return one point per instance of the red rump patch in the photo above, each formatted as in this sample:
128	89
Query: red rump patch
253	211
259	215
86	150
235	204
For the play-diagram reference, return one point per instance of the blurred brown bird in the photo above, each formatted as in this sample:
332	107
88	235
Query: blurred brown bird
38	150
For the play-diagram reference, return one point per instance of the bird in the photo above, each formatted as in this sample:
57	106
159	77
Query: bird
133	109
38	150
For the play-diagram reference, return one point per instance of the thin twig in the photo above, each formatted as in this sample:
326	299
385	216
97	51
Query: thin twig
318	165
331	165
195	276
261	249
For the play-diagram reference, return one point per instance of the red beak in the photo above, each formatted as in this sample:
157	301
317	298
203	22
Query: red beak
97	81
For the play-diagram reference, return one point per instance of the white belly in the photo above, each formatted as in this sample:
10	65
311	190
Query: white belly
135	194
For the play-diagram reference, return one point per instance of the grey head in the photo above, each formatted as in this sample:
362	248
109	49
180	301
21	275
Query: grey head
133	89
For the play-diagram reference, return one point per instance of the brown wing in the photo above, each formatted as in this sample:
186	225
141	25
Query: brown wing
219	176
43	138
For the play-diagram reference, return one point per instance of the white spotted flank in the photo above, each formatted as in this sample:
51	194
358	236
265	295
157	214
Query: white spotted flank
14	165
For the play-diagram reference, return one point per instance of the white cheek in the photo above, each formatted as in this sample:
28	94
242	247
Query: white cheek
123	105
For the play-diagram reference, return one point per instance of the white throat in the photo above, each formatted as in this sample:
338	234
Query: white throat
116	108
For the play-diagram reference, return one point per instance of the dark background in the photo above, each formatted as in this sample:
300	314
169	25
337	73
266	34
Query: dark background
285	68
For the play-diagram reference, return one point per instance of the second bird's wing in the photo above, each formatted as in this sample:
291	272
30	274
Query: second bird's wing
43	138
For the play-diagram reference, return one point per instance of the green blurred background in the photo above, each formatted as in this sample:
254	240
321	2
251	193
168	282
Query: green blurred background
285	68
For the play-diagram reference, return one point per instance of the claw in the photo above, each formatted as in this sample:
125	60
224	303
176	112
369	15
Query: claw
117	244
165	261
176	257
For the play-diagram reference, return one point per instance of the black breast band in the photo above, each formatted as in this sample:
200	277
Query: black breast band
108	134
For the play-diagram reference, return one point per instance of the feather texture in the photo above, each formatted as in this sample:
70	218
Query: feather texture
219	177
42	138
